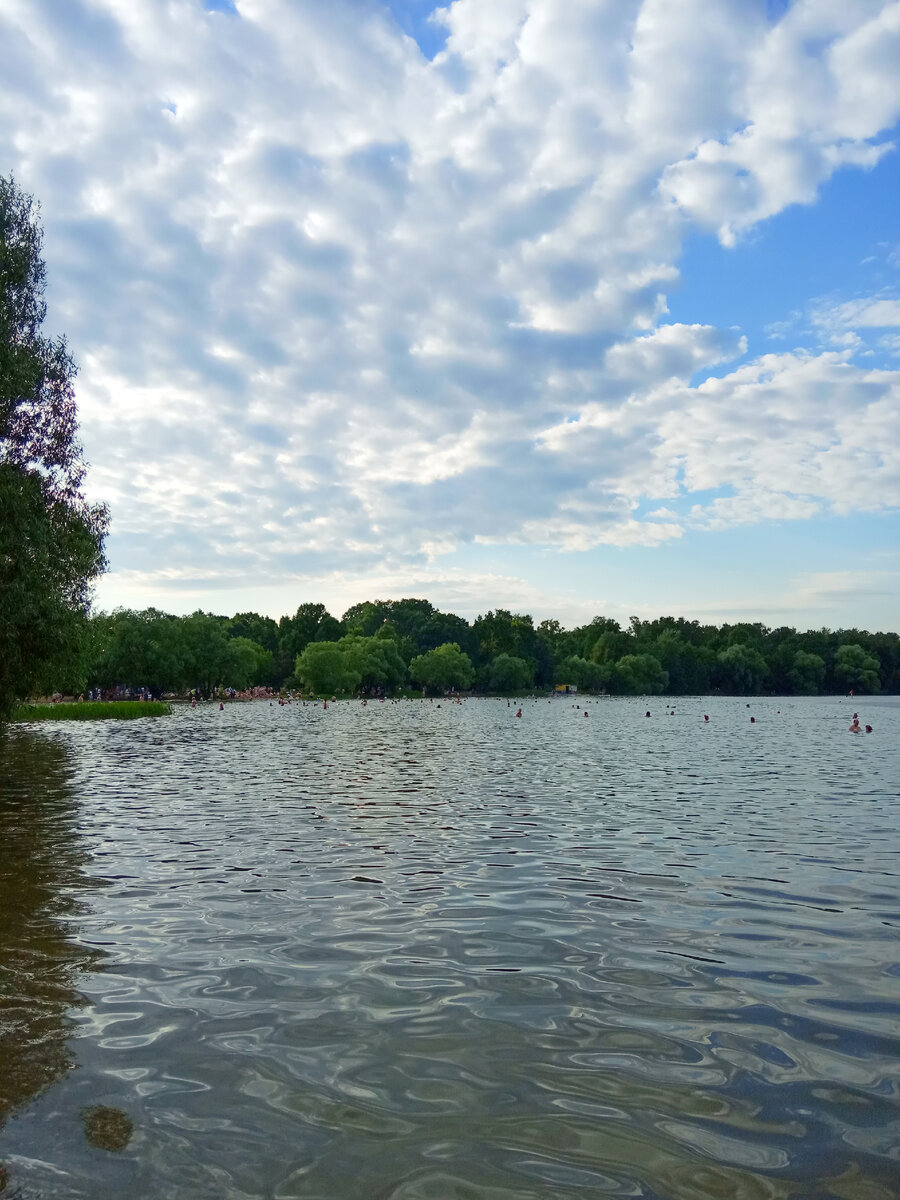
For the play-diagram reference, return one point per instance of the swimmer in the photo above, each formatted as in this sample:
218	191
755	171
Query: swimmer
868	729
854	728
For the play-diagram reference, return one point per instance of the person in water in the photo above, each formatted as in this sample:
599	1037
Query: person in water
854	728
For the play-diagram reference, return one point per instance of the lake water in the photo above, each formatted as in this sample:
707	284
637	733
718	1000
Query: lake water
427	951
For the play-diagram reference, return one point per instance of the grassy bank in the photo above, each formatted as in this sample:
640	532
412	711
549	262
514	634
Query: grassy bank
92	710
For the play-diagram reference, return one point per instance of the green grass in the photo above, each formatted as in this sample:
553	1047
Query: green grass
92	710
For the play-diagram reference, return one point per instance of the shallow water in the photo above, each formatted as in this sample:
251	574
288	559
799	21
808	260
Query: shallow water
427	952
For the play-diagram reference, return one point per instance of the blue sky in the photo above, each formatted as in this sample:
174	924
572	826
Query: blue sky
413	17
839	246
560	305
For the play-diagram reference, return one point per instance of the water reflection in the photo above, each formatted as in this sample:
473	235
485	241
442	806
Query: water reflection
42	872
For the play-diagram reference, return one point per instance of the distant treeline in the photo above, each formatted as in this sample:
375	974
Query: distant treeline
390	645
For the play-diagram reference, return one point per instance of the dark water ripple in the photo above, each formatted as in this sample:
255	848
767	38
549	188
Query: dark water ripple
411	952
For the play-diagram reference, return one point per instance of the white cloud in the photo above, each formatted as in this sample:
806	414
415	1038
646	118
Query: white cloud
340	309
872	314
789	435
814	90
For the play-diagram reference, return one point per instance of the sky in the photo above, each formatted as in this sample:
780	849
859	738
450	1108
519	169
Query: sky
572	307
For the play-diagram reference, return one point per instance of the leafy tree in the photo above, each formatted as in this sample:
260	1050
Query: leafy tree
208	659
610	645
685	664
250	663
258	629
366	618
310	623
857	669
551	630
639	675
47	555
325	668
741	669
164	652
445	628
587	676
495	633
51	538
508	673
807	674
375	660
138	649
442	669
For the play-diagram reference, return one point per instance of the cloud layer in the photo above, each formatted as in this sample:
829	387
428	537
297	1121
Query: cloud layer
339	307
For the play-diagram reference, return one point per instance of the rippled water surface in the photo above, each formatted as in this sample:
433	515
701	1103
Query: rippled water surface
427	951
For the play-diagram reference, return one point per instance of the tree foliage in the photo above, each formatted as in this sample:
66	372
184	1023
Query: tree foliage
857	669
741	669
446	668
511	673
325	668
668	654
806	673
638	675
51	538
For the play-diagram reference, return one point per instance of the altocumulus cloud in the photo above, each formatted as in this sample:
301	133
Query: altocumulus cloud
342	308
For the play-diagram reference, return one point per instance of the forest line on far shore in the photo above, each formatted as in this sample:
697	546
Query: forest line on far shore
386	646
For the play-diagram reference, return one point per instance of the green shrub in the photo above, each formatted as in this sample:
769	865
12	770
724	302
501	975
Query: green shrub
92	710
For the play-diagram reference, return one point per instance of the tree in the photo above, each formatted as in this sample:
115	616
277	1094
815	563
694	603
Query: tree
310	623
807	673
138	649
509	673
683	662
587	676
610	645
51	538
639	675
443	668
741	669
208	658
325	668
258	629
856	669
375	662
249	663
365	618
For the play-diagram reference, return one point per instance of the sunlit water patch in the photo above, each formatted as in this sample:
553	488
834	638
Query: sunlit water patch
427	951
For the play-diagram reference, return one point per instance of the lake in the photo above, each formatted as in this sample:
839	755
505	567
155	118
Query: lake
432	951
